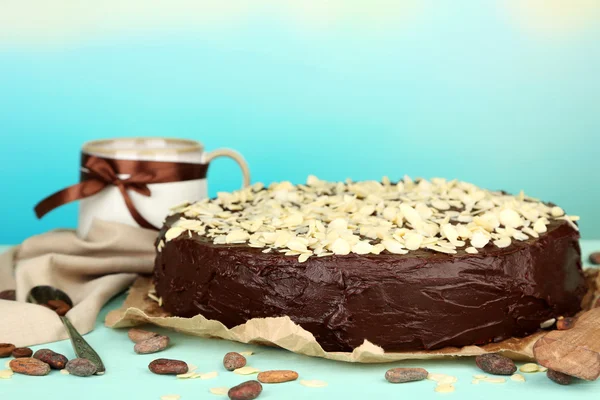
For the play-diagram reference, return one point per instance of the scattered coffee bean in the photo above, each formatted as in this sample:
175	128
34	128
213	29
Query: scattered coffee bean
248	390
164	366
29	366
595	258
277	376
233	361
152	345
59	306
8	295
55	360
139	335
401	375
559	377
6	349
81	367
22	352
496	364
57	303
565	323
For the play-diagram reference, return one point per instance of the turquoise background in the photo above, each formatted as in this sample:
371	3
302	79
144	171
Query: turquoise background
480	91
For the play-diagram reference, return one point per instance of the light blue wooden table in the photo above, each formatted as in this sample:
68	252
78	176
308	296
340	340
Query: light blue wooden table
127	375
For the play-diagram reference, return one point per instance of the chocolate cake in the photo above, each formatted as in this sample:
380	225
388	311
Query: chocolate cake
408	266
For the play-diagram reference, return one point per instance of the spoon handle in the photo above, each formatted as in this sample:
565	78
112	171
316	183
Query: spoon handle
83	348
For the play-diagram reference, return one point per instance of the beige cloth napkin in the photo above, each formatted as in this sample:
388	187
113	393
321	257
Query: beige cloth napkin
91	271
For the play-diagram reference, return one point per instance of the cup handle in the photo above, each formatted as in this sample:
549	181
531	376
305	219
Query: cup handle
237	157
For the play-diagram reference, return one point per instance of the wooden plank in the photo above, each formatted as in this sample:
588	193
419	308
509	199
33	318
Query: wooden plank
576	351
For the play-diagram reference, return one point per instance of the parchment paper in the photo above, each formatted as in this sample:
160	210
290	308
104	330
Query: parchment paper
282	332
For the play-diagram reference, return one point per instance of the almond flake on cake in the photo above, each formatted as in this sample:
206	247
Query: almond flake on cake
321	218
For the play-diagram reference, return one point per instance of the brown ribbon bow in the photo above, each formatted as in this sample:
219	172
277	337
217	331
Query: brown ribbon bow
99	173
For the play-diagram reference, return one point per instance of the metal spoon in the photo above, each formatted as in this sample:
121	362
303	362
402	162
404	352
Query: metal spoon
41	295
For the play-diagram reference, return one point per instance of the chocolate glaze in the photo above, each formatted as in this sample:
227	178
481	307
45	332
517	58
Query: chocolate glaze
422	300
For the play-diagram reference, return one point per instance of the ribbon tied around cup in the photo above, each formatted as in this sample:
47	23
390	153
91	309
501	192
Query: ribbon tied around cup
98	173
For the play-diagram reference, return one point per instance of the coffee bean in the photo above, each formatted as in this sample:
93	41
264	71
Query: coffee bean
58	303
595	258
401	375
6	349
248	390
8	295
22	352
164	366
565	323
29	366
59	306
559	377
81	367
139	335
496	364
62	311
152	345
277	376
233	361
55	360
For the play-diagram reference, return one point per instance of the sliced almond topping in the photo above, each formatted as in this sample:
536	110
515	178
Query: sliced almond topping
450	232
441	249
529	368
173	233
444	388
293	220
442	378
479	240
547	324
296	245
237	236
440	205
207	375
314	383
303	257
510	218
517	378
325	218
494	380
411	215
362	247
192	367
340	247
393	246
413	240
219	391
531	232
503	242
540	226
6	374
153	297
447	380
170	397
247	370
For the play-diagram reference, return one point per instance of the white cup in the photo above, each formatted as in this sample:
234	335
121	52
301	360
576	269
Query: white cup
109	205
